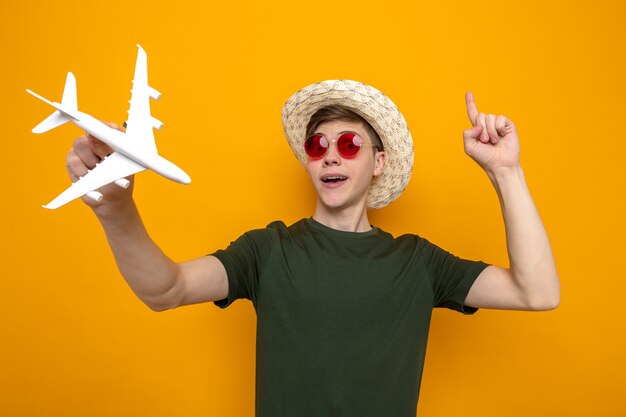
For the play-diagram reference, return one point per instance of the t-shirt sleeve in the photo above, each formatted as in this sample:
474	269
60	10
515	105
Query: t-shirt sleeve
243	260
451	277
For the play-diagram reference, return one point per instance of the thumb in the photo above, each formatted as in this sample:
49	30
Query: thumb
473	133
97	146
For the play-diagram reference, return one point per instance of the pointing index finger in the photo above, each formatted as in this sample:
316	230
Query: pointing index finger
472	110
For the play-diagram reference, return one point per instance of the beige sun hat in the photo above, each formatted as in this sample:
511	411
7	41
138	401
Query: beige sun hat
375	107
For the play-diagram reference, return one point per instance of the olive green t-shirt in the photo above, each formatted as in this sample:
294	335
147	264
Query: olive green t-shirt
342	317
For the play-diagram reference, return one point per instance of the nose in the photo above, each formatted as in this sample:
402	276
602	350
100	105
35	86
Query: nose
332	156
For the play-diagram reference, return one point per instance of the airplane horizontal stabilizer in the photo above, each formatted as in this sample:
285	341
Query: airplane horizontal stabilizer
56	119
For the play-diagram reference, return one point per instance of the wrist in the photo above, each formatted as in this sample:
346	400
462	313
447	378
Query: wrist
116	213
505	173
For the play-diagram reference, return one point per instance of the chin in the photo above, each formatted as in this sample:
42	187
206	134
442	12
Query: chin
336	204
330	204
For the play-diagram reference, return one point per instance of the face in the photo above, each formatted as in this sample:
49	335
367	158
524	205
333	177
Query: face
344	182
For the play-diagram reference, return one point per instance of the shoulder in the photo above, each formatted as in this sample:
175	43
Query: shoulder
421	248
423	245
411	240
275	230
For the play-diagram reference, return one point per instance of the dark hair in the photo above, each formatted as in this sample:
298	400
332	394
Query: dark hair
336	112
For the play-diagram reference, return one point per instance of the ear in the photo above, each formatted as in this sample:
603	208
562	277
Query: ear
379	161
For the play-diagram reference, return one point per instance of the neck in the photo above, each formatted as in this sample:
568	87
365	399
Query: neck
351	219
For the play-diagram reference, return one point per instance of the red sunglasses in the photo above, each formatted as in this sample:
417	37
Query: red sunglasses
348	145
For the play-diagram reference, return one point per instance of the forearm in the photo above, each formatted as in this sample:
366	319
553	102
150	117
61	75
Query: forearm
530	255
149	272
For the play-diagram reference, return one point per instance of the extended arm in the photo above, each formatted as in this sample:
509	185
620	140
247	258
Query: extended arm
158	281
531	282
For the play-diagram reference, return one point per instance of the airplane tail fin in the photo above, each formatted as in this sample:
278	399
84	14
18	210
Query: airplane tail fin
65	110
69	100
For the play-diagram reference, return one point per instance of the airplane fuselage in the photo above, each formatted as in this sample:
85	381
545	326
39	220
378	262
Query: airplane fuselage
118	141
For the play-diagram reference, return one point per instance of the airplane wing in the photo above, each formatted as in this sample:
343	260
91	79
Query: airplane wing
112	168
140	122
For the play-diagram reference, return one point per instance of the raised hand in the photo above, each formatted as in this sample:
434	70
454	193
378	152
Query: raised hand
492	141
531	282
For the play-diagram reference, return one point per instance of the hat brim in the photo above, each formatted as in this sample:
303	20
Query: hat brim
379	111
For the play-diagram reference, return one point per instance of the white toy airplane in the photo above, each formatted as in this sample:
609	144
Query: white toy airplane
135	149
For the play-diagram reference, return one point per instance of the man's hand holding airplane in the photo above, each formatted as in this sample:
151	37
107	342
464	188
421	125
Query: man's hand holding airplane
87	152
126	152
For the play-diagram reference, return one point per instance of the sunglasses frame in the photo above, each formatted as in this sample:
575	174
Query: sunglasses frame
344	136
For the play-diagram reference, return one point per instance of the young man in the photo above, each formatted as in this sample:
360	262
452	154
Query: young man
343	308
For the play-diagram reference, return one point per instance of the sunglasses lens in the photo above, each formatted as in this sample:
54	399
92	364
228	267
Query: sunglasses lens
316	146
348	145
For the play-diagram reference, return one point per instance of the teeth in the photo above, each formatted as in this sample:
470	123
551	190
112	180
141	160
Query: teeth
333	179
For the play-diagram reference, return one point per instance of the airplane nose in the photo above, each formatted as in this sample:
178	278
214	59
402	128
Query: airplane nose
179	175
169	170
185	179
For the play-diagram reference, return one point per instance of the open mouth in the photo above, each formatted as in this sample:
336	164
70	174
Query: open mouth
333	179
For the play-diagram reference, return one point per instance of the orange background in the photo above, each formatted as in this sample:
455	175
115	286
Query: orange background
76	342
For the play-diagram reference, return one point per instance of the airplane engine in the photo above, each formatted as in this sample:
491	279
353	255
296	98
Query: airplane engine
95	196
122	182
156	123
154	93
